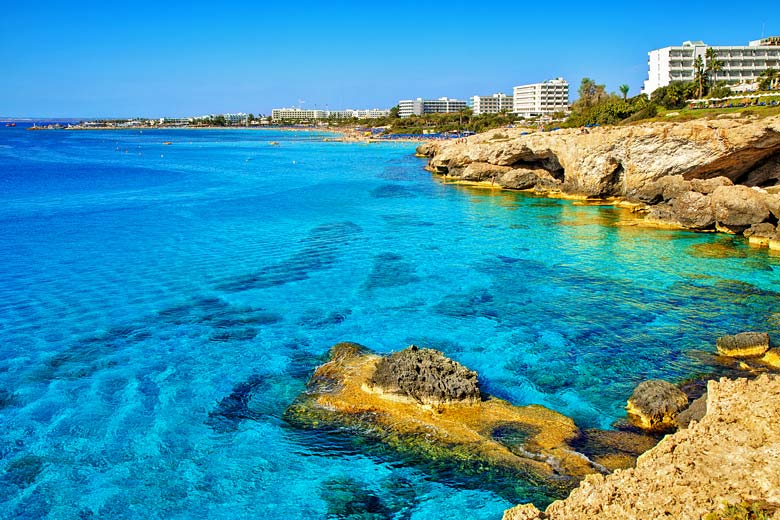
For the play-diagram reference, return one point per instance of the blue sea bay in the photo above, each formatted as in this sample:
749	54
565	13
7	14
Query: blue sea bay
161	305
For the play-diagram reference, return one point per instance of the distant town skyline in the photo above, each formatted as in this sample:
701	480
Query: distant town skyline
180	59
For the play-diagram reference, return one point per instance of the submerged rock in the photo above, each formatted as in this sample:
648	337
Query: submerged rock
760	234
654	405
425	406
745	344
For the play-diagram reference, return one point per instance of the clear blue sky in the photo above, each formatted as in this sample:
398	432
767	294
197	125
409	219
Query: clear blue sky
144	58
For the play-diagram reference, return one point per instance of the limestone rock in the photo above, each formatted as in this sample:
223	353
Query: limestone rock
744	344
383	399
522	512
738	207
694	210
707	186
428	149
695	412
673	186
630	159
478	171
773	203
772	358
527	178
760	234
731	455
654	405
425	375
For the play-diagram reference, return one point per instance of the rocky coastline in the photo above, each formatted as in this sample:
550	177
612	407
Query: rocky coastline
718	174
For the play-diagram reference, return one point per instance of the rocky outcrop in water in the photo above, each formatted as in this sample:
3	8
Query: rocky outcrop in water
707	174
422	405
655	404
728	459
744	344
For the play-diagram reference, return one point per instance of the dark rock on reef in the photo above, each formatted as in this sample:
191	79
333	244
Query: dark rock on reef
655	404
745	344
425	375
738	207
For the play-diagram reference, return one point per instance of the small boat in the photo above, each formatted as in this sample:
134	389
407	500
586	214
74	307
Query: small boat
274	143
167	143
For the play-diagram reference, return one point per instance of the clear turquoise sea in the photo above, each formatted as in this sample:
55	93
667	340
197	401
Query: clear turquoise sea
161	305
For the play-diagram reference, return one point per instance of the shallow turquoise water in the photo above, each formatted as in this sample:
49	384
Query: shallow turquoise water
160	306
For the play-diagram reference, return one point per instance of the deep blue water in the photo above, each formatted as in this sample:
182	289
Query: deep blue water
160	306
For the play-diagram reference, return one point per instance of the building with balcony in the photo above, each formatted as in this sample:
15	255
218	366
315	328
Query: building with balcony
541	99
492	104
741	64
299	114
420	106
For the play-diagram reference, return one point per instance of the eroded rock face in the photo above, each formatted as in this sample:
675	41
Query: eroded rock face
649	163
732	455
425	375
744	344
654	405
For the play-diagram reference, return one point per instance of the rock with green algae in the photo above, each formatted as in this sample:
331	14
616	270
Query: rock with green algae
485	437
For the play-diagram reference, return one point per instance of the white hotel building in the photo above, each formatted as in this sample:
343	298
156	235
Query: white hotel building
541	99
741	64
492	104
299	114
420	106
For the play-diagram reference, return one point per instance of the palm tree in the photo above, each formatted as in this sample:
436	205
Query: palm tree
624	90
714	65
699	75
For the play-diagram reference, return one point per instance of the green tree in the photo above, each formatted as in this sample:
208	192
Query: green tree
394	112
714	65
590	94
624	90
769	79
699	75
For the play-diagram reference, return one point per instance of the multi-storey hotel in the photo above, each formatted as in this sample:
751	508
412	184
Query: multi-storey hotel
299	114
741	64
420	106
492	104
541	99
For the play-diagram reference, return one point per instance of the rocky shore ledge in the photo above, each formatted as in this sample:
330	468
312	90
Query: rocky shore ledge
725	464
426	407
704	175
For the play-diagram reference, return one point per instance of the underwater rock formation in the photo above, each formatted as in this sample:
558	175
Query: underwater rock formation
730	457
421	404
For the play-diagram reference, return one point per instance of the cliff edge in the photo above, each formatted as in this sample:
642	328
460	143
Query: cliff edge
731	458
706	174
